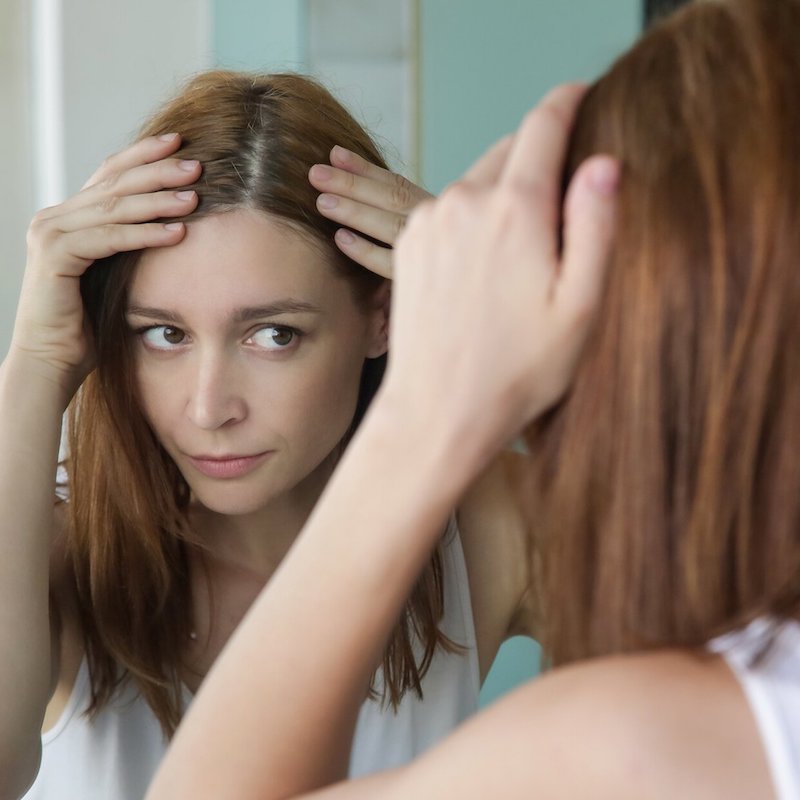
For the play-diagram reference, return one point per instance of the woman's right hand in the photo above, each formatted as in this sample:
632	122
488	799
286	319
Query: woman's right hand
493	299
112	213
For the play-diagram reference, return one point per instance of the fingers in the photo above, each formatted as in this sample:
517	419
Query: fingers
145	151
535	161
117	213
375	222
487	169
379	188
371	256
116	210
141	179
363	196
348	161
90	244
589	226
541	141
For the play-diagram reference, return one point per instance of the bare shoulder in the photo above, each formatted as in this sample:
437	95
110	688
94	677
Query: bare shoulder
654	726
498	552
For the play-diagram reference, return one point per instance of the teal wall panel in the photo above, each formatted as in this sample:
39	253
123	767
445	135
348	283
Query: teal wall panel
484	63
518	661
268	35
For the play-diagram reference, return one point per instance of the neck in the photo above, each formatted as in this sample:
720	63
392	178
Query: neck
258	541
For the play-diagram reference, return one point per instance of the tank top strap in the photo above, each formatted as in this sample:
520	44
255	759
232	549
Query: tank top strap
765	658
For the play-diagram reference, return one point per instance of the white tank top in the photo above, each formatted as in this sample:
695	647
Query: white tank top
116	756
772	687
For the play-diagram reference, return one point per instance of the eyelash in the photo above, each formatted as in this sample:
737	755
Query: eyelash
297	334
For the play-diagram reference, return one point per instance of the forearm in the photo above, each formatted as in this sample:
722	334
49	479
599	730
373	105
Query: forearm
276	715
31	406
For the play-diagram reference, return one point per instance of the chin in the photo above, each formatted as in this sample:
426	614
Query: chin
232	500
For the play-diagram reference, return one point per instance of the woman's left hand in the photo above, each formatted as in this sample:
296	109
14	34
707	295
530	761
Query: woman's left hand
366	198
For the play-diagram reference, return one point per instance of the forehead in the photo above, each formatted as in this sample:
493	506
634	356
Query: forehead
236	258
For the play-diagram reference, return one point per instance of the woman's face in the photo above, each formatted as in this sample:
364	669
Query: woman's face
249	349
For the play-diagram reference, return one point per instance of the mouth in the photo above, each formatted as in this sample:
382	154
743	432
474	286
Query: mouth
228	466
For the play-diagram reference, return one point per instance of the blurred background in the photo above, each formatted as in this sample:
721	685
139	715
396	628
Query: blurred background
437	81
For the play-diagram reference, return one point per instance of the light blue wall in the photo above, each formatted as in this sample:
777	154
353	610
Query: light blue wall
267	35
483	63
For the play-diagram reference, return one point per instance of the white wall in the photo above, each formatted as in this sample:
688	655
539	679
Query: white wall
67	106
16	177
122	58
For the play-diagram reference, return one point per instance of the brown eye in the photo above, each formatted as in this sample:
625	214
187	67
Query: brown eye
282	336
274	337
173	335
163	337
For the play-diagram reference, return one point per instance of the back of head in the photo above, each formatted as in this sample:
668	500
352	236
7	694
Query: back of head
666	496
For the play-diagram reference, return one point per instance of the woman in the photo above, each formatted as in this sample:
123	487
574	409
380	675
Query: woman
663	488
225	350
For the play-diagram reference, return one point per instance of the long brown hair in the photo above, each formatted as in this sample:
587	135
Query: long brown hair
666	497
256	137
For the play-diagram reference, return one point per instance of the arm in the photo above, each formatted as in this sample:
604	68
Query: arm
365	197
268	726
49	356
30	424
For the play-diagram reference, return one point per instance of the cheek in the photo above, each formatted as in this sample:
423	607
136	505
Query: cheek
320	403
156	397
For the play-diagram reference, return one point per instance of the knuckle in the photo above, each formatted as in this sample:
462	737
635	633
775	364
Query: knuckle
107	204
398	224
109	182
40	229
107	167
115	235
401	195
456	192
548	112
423	211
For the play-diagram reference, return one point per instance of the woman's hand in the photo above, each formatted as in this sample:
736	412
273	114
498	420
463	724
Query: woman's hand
366	198
489	310
114	212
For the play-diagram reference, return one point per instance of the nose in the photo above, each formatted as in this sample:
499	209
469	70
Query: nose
215	398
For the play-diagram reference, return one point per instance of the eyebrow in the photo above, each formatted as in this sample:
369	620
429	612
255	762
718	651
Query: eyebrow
241	314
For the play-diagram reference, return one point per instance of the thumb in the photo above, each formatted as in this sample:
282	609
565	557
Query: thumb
589	226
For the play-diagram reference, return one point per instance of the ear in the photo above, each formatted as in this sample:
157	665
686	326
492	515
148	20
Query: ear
378	313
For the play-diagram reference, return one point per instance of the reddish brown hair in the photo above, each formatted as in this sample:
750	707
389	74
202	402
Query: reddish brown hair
256	137
667	485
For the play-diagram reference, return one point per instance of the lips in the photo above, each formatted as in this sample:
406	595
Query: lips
229	466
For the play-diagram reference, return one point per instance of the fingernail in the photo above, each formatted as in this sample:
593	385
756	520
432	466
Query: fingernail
344	236
173	226
185	195
327	201
168	137
188	166
321	172
604	175
342	153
